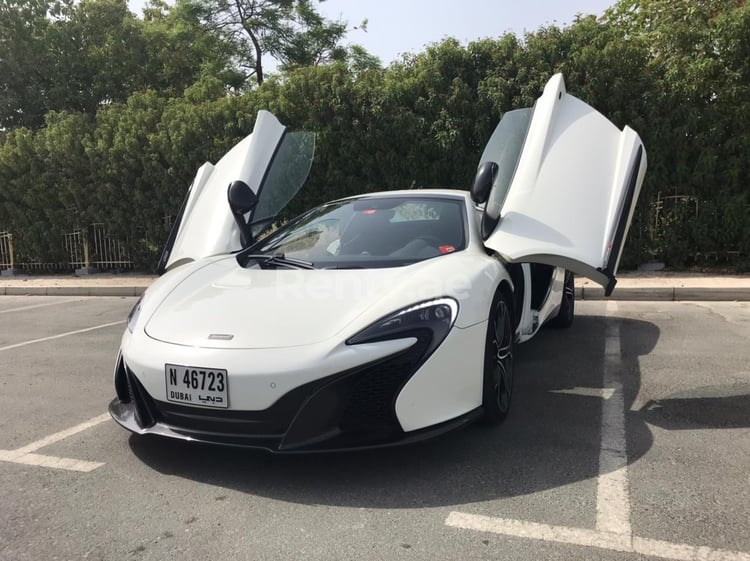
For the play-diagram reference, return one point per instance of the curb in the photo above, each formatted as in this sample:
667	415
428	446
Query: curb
640	293
667	294
72	290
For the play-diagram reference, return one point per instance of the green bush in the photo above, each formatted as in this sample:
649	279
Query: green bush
670	71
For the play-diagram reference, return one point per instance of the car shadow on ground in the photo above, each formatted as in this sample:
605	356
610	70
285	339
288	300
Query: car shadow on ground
550	439
702	409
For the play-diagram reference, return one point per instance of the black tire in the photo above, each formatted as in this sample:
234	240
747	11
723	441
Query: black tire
565	315
498	360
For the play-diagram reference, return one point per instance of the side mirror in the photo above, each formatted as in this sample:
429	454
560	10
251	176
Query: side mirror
241	201
483	181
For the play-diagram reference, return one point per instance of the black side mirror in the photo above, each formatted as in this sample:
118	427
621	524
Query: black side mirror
483	181
241	201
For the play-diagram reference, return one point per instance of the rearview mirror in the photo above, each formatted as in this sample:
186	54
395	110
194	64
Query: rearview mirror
483	181
241	201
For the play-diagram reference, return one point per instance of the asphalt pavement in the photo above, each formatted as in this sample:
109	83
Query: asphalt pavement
629	438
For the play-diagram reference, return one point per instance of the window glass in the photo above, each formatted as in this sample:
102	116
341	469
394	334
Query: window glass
286	175
372	232
504	148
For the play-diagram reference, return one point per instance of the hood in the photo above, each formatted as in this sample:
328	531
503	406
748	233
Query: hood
222	305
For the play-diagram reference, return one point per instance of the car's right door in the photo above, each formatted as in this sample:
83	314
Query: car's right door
566	186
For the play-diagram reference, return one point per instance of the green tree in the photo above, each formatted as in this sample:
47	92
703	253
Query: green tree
24	62
46	184
178	50
119	143
58	55
698	133
291	31
61	55
96	50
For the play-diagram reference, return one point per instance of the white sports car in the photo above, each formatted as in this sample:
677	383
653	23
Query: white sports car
378	319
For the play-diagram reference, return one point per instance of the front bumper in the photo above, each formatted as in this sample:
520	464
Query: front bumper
343	411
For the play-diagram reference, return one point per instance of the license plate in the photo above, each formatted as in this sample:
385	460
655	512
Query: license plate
197	385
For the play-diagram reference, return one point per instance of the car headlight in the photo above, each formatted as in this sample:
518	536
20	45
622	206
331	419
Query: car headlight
133	315
433	317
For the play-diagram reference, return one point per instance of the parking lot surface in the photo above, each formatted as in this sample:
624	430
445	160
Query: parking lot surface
629	438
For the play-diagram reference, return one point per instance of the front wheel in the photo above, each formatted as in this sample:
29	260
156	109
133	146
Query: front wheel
498	361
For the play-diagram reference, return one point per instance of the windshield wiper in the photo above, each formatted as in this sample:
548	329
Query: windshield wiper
265	259
342	267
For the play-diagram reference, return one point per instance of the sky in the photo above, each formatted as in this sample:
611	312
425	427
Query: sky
396	27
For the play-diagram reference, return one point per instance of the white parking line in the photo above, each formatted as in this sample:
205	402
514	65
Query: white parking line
604	393
536	531
42	460
39	305
613	496
51	337
25	455
591	538
63	434
681	552
613	529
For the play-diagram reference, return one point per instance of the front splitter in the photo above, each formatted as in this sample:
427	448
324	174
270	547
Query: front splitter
124	415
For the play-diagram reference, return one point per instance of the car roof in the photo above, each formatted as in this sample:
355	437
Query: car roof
416	193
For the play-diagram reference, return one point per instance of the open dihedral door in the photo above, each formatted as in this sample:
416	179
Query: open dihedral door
566	186
274	163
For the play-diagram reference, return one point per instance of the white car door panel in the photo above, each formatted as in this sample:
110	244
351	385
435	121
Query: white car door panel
570	198
205	225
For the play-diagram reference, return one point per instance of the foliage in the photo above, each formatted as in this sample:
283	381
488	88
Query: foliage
40	177
291	31
61	55
116	131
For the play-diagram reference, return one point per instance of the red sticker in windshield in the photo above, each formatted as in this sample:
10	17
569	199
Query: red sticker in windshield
369	211
446	248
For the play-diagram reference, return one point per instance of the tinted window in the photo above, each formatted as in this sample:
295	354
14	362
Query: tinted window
285	176
504	148
372	232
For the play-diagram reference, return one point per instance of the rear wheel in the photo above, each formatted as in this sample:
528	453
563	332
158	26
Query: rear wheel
564	317
498	361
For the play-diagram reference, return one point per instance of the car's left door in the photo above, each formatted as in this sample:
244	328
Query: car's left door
272	161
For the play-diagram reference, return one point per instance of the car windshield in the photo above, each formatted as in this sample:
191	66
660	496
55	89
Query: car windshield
371	232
